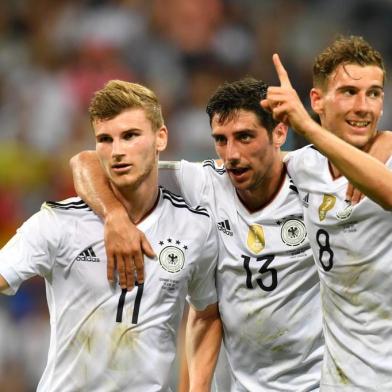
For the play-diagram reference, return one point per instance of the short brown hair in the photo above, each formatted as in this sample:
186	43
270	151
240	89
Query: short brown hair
117	96
345	50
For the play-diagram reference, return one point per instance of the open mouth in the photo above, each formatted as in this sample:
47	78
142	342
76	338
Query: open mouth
237	172
358	124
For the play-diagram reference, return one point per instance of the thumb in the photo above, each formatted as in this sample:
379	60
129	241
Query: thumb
265	105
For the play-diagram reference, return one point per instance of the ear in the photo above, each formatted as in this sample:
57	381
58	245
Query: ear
317	100
279	135
161	138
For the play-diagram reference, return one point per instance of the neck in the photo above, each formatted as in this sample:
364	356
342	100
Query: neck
256	199
335	172
140	200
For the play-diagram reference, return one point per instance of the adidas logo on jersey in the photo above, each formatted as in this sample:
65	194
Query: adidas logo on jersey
224	226
305	200
88	255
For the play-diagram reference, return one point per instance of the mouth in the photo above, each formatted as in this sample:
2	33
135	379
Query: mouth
237	172
358	124
121	167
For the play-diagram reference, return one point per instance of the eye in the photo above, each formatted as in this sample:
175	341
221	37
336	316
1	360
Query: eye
130	135
219	139
349	91
244	137
104	139
375	93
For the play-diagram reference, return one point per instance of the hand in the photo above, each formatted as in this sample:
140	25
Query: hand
283	101
353	194
125	246
381	149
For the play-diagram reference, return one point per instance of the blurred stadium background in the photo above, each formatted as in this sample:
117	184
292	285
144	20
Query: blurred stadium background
55	53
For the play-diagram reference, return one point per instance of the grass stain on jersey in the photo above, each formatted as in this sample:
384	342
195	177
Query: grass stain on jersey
123	341
342	376
279	348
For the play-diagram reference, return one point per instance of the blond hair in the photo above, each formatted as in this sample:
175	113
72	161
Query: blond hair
117	96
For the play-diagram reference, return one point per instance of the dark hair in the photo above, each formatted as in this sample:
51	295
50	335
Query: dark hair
344	50
244	94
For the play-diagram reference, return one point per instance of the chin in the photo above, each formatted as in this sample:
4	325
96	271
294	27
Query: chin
360	142
123	183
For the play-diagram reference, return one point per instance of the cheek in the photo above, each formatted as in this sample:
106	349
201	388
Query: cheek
104	154
220	151
378	108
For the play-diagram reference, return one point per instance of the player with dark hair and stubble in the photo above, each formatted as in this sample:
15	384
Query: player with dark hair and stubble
104	338
267	283
350	240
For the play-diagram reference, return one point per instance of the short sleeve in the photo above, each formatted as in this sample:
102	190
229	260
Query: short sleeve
290	161
184	178
202	287
31	251
295	163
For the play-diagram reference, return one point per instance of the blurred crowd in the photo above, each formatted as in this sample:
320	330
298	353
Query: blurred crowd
55	54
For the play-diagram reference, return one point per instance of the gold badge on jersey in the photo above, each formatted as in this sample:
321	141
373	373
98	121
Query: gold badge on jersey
327	204
256	239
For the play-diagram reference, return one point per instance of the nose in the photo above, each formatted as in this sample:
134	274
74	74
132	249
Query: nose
232	152
117	150
361	104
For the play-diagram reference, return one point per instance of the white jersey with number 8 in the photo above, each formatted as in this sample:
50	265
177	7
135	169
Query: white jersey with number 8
353	251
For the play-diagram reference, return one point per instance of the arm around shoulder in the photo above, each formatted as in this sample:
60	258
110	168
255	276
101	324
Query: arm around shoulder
362	169
125	244
92	185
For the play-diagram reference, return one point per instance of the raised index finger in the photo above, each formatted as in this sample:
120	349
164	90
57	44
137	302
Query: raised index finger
281	72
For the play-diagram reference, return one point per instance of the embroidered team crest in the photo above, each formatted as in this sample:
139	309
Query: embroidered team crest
293	232
172	256
327	204
256	239
346	212
172	259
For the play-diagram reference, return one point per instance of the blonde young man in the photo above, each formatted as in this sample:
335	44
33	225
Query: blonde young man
267	282
351	242
104	338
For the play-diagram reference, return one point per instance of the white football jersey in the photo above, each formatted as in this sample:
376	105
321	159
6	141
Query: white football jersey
102	338
268	288
354	257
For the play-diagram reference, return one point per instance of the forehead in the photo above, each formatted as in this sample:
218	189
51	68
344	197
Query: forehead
239	121
356	75
135	118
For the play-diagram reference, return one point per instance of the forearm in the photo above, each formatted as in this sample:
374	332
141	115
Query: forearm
366	173
92	185
203	340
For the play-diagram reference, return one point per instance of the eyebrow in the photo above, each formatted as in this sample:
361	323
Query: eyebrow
374	86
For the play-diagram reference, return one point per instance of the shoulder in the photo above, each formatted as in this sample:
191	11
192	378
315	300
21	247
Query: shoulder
307	158
308	150
206	166
73	209
179	203
212	165
72	204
